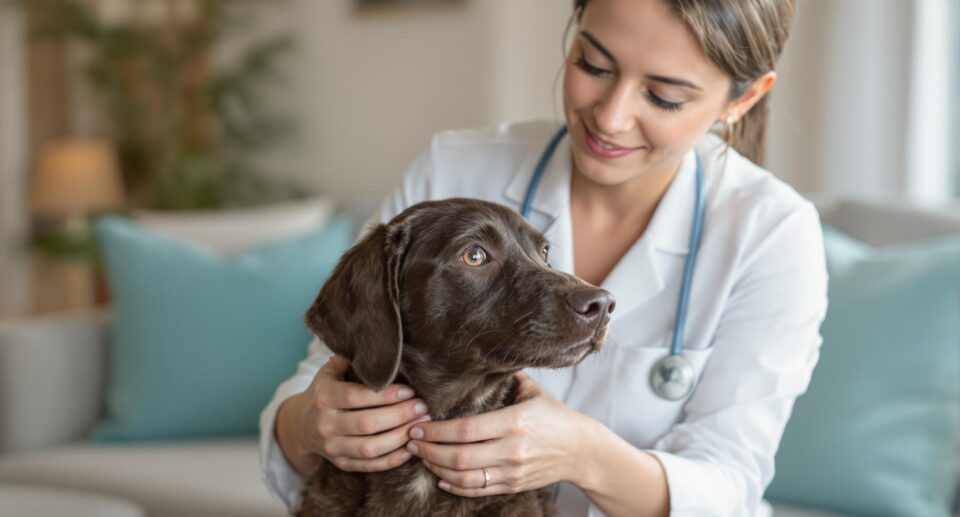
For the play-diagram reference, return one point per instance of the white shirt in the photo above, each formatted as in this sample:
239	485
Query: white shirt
757	299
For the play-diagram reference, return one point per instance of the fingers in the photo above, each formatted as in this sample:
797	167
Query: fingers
471	483
464	457
387	462
487	426
473	478
370	447
337	394
364	422
475	492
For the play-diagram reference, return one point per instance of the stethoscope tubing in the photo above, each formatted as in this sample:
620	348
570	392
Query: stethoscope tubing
676	345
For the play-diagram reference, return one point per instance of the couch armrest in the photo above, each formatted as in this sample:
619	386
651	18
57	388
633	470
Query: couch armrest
881	222
52	378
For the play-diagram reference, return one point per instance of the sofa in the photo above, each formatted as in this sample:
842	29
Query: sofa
48	465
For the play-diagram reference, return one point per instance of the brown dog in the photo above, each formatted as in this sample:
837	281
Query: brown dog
451	298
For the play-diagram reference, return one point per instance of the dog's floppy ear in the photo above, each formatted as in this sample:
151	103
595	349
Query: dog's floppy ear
357	312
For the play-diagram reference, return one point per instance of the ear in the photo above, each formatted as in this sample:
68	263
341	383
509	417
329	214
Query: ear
752	95
357	312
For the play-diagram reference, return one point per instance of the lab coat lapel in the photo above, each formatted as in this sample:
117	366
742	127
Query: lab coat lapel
550	210
638	276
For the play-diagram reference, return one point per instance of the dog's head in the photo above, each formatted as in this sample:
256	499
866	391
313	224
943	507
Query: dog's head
462	283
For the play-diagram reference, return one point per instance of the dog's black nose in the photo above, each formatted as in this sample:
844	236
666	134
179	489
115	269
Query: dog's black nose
591	304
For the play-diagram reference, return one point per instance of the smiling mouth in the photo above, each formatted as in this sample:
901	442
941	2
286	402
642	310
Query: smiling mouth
605	144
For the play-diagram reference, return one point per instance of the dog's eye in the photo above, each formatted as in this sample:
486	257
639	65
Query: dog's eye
474	256
546	253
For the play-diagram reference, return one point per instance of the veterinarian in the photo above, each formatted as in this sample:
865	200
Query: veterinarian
665	110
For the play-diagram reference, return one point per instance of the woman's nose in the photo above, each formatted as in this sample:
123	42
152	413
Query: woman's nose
616	112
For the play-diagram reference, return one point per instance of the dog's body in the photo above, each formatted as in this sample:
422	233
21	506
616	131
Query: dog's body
411	489
451	298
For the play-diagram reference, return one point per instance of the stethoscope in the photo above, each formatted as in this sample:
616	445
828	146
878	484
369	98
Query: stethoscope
672	377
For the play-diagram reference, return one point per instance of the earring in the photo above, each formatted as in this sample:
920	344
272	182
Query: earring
728	121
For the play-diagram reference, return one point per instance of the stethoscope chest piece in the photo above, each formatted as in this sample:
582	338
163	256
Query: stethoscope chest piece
672	377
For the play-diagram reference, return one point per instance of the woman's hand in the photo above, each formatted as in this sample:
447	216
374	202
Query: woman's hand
528	445
352	426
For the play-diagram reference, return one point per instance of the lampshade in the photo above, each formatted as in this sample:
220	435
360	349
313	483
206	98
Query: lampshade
76	177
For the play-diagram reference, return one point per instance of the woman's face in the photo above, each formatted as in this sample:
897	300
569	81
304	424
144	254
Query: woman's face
638	90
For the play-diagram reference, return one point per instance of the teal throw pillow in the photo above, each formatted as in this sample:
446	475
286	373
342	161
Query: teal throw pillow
200	341
878	431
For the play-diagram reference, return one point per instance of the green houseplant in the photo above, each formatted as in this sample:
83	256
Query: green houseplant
188	130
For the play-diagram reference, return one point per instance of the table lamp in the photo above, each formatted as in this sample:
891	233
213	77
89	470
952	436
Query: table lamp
76	178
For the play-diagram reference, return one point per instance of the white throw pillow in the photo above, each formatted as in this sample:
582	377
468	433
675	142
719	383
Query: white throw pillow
230	231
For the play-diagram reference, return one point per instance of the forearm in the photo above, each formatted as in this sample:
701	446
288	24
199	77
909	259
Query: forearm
288	435
619	478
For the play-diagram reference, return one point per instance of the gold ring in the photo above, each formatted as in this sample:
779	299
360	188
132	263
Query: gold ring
486	478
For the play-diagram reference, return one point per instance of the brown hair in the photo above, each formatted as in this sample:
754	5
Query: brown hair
743	38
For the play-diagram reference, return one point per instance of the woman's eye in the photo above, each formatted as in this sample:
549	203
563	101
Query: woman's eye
474	256
663	104
584	65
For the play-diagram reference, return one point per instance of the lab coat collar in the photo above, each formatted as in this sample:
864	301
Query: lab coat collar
553	195
669	229
636	277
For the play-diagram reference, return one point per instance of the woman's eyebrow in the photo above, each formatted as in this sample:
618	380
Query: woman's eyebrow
593	41
659	78
673	80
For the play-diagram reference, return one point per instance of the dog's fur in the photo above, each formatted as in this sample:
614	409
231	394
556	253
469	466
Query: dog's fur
402	306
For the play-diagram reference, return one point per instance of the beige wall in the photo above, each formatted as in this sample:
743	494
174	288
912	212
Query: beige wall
13	138
370	88
13	145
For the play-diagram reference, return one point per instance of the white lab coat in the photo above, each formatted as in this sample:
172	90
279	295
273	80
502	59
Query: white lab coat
757	299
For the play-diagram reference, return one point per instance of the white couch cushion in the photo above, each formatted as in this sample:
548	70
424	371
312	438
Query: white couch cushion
183	479
229	231
36	501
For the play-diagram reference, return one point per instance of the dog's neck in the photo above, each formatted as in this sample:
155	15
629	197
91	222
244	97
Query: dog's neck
457	394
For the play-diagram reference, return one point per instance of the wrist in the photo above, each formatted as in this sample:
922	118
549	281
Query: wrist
288	431
586	448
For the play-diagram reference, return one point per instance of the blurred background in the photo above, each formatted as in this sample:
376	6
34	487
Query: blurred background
247	102
243	142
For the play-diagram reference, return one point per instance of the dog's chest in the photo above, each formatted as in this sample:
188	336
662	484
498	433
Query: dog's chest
413	491
421	484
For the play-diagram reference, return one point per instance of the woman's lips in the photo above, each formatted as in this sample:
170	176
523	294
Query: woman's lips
600	151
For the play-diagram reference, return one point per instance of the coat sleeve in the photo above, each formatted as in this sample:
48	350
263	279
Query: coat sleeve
719	459
282	481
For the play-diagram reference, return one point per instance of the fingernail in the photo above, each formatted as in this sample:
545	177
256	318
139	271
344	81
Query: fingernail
424	418
444	485
413	448
420	408
404	393
416	433
404	456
